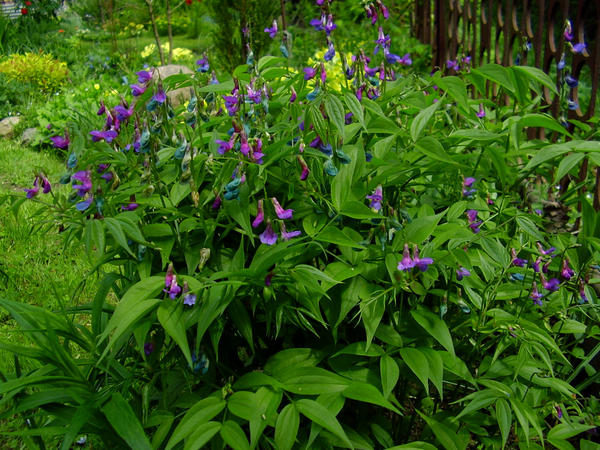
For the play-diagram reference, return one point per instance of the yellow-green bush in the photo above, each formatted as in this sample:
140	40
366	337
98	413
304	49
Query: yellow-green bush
38	69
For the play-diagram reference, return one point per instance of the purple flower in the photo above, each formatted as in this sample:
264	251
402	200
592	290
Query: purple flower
580	47
376	198
46	186
174	289
84	177
517	261
481	113
137	89
551	285
203	65
130	207
473	222
535	295
562	63
467	184
472	215
293	96
348	118
268	278
108	135
566	272
568	33
268	236
461	272
329	25
548	252
309	73
217	203
260	214
231	104
148	348
421	263
33	191
406	263
273	30
144	76
169	275
281	213
318	24
160	96
582	297
330	53
384	10
536	264
305	169
571	81
287	235
60	141
108	176
189	299
84	204
224	146
323	73
405	60
123	113
102	108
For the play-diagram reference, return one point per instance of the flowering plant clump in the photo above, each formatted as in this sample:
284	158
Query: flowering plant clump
300	266
38	69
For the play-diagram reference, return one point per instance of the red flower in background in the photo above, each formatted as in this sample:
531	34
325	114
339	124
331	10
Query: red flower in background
24	11
27	3
189	2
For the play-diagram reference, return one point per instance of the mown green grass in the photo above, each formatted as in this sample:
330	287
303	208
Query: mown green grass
35	267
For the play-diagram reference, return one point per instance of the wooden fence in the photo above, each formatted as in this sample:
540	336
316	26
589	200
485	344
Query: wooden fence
513	32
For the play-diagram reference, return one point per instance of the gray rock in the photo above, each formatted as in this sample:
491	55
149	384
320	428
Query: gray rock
29	136
176	96
7	126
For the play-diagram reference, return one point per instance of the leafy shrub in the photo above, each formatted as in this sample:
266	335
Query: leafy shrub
179	24
38	69
288	274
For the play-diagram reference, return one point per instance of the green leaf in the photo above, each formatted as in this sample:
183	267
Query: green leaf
323	417
125	423
335	111
367	393
286	427
542	121
318	122
195	417
422	227
389	371
536	74
527	225
456	88
413	446
567	430
234	436
225	86
202	435
170	316
355	108
116	230
279	363
435	326
312	381
436	368
566	164
334	235
238	313
419	123
547	153
479	399
446	435
358	210
432	148
417	362
504	419
371	312
497	74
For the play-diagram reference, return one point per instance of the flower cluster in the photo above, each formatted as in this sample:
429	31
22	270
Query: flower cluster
46	186
269	236
174	290
407	263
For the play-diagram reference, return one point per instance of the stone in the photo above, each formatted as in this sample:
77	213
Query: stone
30	136
7	126
176	96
